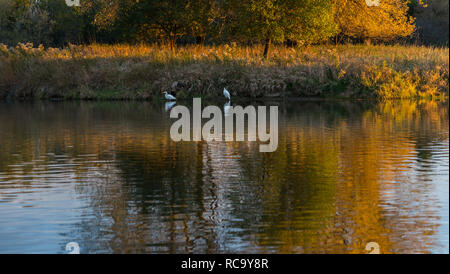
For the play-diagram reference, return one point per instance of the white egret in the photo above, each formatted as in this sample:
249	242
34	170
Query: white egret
168	96
226	94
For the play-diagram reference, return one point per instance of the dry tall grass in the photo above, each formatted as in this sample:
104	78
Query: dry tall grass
144	71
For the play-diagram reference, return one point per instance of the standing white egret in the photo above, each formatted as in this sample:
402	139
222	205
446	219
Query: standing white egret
226	94
168	96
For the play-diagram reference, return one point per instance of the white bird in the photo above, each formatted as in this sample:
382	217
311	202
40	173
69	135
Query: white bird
168	96
226	94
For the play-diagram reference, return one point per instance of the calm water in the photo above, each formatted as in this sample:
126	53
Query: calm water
108	176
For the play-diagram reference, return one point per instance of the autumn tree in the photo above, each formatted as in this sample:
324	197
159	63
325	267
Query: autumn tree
30	21
107	19
278	20
200	18
172	19
387	21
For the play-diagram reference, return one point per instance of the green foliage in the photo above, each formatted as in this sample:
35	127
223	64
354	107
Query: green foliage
164	19
48	22
23	20
304	21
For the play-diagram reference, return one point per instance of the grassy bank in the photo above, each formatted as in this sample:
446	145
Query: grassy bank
143	72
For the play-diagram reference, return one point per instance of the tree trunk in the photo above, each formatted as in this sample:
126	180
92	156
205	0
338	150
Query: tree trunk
291	43
200	40
172	41
267	48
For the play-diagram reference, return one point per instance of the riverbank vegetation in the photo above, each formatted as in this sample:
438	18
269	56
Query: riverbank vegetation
143	72
127	49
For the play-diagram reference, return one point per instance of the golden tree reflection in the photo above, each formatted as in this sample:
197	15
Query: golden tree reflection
344	174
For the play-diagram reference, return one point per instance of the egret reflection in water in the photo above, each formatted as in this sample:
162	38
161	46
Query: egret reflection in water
227	109
169	105
108	176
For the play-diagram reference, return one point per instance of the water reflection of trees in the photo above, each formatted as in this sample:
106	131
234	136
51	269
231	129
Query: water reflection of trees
344	174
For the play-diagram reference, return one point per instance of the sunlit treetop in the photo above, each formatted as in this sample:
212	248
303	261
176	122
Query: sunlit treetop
387	21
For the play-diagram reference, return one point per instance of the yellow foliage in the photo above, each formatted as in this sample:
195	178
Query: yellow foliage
387	21
389	83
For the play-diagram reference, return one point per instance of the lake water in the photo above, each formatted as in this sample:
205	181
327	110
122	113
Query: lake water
107	176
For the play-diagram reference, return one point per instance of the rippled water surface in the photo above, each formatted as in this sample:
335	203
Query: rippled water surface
108	176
